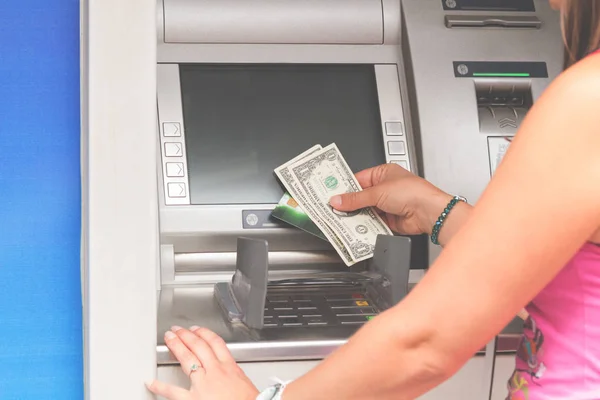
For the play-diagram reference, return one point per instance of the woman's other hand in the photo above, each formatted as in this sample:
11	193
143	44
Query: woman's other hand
409	204
204	357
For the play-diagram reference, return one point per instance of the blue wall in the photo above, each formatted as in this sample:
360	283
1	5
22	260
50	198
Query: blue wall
40	299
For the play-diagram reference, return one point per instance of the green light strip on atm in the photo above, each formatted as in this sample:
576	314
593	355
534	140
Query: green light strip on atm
500	74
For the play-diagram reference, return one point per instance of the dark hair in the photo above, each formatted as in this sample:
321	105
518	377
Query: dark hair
581	29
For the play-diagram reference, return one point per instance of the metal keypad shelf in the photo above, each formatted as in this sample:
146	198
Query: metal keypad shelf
320	300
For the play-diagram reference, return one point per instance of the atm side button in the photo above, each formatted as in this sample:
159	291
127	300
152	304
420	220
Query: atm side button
171	129
401	163
394	128
176	189
396	148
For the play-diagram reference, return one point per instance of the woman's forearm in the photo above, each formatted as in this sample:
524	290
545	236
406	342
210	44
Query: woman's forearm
391	357
386	359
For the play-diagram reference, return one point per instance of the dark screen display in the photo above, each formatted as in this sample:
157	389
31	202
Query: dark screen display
243	121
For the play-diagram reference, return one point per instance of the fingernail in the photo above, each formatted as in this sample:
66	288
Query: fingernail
176	328
335	201
148	384
193	328
170	335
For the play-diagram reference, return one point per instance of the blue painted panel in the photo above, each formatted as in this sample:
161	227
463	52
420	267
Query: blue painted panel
40	299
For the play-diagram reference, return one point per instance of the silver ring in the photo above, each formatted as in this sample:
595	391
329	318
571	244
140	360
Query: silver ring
194	368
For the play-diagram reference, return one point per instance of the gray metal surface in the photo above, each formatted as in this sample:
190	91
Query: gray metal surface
489	368
278	21
186	306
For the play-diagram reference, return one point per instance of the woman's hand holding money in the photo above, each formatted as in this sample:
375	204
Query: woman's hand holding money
409	204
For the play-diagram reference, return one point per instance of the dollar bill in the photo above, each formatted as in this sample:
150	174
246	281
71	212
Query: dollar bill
293	188
317	177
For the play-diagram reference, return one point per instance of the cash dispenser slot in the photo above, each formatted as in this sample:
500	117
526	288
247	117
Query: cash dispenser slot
492	21
502	104
317	300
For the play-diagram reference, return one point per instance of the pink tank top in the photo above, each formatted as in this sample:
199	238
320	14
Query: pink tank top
559	354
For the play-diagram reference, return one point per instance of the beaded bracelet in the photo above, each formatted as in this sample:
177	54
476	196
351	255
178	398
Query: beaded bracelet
442	218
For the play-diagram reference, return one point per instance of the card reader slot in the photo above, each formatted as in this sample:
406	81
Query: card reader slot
502	104
488	21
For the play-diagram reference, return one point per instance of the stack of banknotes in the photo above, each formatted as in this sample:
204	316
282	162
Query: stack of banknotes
311	179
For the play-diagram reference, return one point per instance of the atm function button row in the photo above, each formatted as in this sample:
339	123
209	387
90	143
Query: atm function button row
173	149
176	190
171	129
175	170
394	128
396	148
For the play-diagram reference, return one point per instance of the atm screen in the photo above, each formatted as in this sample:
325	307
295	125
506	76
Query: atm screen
243	121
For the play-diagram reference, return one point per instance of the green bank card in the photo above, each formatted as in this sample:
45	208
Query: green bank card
290	212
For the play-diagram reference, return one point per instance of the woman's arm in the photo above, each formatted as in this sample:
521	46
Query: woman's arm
540	208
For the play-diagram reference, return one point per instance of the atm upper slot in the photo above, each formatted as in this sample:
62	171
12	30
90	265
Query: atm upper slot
492	21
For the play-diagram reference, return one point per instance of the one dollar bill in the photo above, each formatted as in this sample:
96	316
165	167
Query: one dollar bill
316	177
283	173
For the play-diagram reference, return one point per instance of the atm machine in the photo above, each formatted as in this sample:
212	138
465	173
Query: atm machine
243	87
180	186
